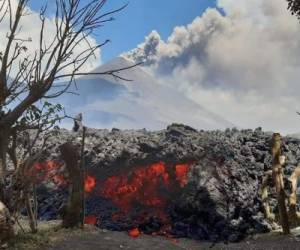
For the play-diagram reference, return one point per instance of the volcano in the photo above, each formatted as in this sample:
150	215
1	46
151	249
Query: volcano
139	103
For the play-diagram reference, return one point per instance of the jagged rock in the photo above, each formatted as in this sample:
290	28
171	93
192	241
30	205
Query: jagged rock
221	200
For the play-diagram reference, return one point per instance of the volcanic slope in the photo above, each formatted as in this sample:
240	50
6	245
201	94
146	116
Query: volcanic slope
142	102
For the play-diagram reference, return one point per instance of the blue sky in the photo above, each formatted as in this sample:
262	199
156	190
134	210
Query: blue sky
231	62
140	18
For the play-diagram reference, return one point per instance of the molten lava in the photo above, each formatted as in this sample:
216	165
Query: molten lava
134	233
144	186
50	171
90	220
138	201
145	194
182	171
89	184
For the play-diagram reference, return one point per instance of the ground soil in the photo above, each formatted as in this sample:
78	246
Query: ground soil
105	240
52	237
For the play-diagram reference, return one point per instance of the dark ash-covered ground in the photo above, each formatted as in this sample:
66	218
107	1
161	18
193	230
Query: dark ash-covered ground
92	238
117	240
221	201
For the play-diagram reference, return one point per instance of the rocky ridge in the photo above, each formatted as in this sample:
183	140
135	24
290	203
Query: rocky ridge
221	200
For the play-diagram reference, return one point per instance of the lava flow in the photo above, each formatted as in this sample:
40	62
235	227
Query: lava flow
145	194
89	184
90	220
52	171
134	233
49	171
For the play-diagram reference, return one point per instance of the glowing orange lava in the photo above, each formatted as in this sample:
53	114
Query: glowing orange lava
139	187
134	233
182	171
141	196
89	184
90	220
148	189
47	171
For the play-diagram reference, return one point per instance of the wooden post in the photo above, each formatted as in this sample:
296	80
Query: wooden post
83	170
294	215
72	216
265	195
31	212
278	162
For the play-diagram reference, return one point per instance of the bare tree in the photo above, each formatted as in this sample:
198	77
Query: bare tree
50	70
23	157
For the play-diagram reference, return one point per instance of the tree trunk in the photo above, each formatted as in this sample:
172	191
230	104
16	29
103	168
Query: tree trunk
74	208
29	203
278	161
265	196
294	215
284	218
3	163
6	227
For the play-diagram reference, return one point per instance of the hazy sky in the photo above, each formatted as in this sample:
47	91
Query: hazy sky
239	59
139	19
243	63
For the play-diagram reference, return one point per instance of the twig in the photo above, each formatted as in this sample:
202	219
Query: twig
19	224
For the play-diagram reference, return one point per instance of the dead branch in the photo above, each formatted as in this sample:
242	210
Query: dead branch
277	172
294	215
265	195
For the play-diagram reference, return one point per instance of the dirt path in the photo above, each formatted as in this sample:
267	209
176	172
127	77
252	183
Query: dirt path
114	241
105	240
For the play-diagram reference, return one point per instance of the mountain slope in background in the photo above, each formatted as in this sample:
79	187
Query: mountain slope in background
107	102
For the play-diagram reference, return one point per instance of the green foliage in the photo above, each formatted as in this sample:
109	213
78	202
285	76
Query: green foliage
44	117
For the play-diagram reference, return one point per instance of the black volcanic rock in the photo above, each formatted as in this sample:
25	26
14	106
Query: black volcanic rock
221	200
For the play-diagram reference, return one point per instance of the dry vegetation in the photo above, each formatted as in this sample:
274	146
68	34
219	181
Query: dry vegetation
49	233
